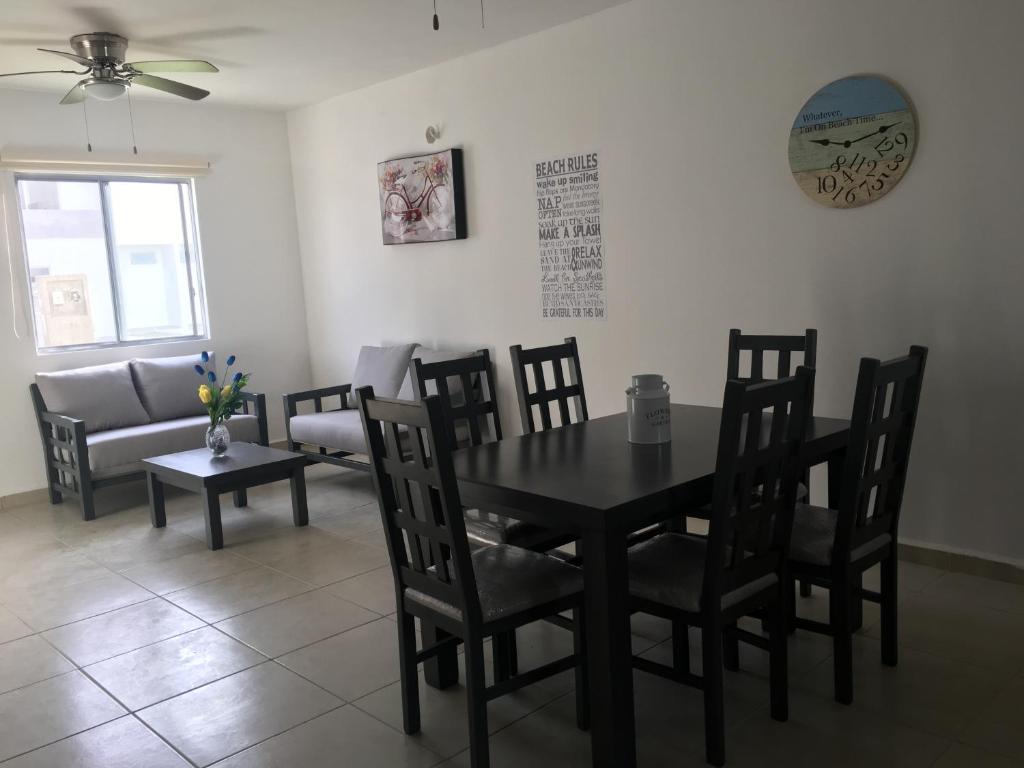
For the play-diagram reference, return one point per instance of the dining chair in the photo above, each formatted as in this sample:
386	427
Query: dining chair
558	357
466	391
784	347
832	548
739	568
470	594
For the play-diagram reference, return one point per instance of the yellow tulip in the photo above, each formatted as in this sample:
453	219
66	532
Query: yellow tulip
226	391
205	395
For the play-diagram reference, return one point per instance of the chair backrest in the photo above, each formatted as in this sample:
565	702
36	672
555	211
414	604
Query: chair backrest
540	395
464	405
782	346
758	467
419	500
881	431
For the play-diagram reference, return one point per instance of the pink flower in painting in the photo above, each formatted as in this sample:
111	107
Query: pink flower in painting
438	169
389	178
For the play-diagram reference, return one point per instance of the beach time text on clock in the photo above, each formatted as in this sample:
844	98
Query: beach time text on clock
852	142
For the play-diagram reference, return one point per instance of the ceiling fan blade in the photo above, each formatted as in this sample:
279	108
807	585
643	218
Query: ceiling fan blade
73	56
181	65
170	86
75	96
43	72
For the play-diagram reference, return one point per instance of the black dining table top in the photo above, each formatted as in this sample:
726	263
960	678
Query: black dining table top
591	469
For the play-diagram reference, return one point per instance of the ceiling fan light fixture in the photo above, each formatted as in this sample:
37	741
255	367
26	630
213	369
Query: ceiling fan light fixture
105	90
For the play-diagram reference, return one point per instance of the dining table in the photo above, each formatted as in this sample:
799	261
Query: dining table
588	480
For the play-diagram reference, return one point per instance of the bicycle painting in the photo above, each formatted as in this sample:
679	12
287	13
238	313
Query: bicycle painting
421	198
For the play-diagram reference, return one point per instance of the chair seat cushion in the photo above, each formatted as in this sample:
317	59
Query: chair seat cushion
485	529
511	580
669	570
814	535
341	430
103	396
119	451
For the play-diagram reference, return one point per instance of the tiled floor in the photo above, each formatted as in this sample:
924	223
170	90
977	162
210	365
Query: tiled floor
124	646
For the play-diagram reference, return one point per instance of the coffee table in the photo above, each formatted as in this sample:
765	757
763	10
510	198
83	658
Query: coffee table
244	466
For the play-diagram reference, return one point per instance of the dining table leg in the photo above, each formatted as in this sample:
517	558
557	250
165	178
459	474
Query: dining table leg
606	586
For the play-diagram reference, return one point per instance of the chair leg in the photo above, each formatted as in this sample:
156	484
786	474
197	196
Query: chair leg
579	642
714	695
409	673
499	652
513	654
777	657
842	639
805	588
731	648
476	698
789	603
680	646
889	623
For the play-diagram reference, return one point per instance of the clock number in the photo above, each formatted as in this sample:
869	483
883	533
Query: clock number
896	161
847	176
901	140
884	146
864	184
851	196
840	161
879	183
826	184
872	164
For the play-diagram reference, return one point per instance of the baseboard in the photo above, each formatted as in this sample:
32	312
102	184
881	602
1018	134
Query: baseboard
962	562
24	499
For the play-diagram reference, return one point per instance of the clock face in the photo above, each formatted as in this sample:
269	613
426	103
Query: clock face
852	142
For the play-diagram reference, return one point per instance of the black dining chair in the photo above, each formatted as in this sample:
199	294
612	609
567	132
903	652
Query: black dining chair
557	358
469	410
783	347
469	594
739	568
832	548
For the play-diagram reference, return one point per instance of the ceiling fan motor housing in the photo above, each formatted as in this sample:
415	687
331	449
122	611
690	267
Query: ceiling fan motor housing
105	48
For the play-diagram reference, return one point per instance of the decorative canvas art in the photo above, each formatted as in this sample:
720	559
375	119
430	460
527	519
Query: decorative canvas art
422	198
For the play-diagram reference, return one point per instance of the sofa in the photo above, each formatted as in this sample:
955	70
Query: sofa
332	431
98	423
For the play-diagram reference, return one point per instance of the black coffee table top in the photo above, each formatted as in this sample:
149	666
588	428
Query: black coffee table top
240	458
591	466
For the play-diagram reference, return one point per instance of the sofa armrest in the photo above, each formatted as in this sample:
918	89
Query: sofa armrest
255	403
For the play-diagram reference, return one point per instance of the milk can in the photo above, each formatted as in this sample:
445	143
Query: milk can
648	415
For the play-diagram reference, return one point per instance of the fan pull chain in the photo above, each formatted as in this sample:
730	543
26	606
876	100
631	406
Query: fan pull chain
131	121
85	112
482	25
437	24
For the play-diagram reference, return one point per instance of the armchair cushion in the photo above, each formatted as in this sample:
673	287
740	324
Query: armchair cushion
119	451
167	386
341	430
103	396
382	368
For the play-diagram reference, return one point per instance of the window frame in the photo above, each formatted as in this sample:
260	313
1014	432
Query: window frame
189	213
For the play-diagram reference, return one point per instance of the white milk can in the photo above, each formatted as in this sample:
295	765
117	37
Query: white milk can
648	415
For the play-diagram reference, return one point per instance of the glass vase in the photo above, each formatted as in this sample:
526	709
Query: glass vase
218	439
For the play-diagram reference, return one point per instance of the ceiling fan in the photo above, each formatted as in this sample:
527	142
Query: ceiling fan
109	77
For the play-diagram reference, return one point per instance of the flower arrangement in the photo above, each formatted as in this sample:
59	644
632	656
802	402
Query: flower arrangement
389	179
437	169
223	399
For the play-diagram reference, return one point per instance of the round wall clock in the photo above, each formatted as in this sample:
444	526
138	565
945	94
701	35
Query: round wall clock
852	142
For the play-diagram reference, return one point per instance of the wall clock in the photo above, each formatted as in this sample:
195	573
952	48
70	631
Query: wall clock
852	142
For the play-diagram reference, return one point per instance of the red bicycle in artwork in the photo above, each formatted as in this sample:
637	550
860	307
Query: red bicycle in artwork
402	205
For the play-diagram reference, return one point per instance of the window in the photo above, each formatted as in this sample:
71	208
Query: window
111	260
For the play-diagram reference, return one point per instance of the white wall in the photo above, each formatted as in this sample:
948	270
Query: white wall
247	229
690	103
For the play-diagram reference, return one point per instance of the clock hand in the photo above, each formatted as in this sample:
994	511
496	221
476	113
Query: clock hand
826	142
882	129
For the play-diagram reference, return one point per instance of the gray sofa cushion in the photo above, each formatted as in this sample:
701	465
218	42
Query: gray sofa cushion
341	430
119	451
168	386
814	535
382	368
103	396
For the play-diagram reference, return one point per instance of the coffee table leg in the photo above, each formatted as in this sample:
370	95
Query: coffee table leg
214	531
241	497
300	512
156	500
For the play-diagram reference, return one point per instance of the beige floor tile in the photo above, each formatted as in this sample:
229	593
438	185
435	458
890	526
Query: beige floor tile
50	710
239	525
351	523
330	562
240	592
186	570
123	743
44	609
374	590
295	622
110	634
999	726
29	660
911	577
143	546
964	756
962	589
352	664
172	667
364	742
235	713
55	569
11	627
288	542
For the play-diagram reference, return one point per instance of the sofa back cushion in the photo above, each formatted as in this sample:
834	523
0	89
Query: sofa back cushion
168	386
103	396
382	368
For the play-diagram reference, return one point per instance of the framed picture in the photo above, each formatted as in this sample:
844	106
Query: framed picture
422	198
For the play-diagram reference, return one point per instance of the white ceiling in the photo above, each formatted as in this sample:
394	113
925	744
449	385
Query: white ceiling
273	53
